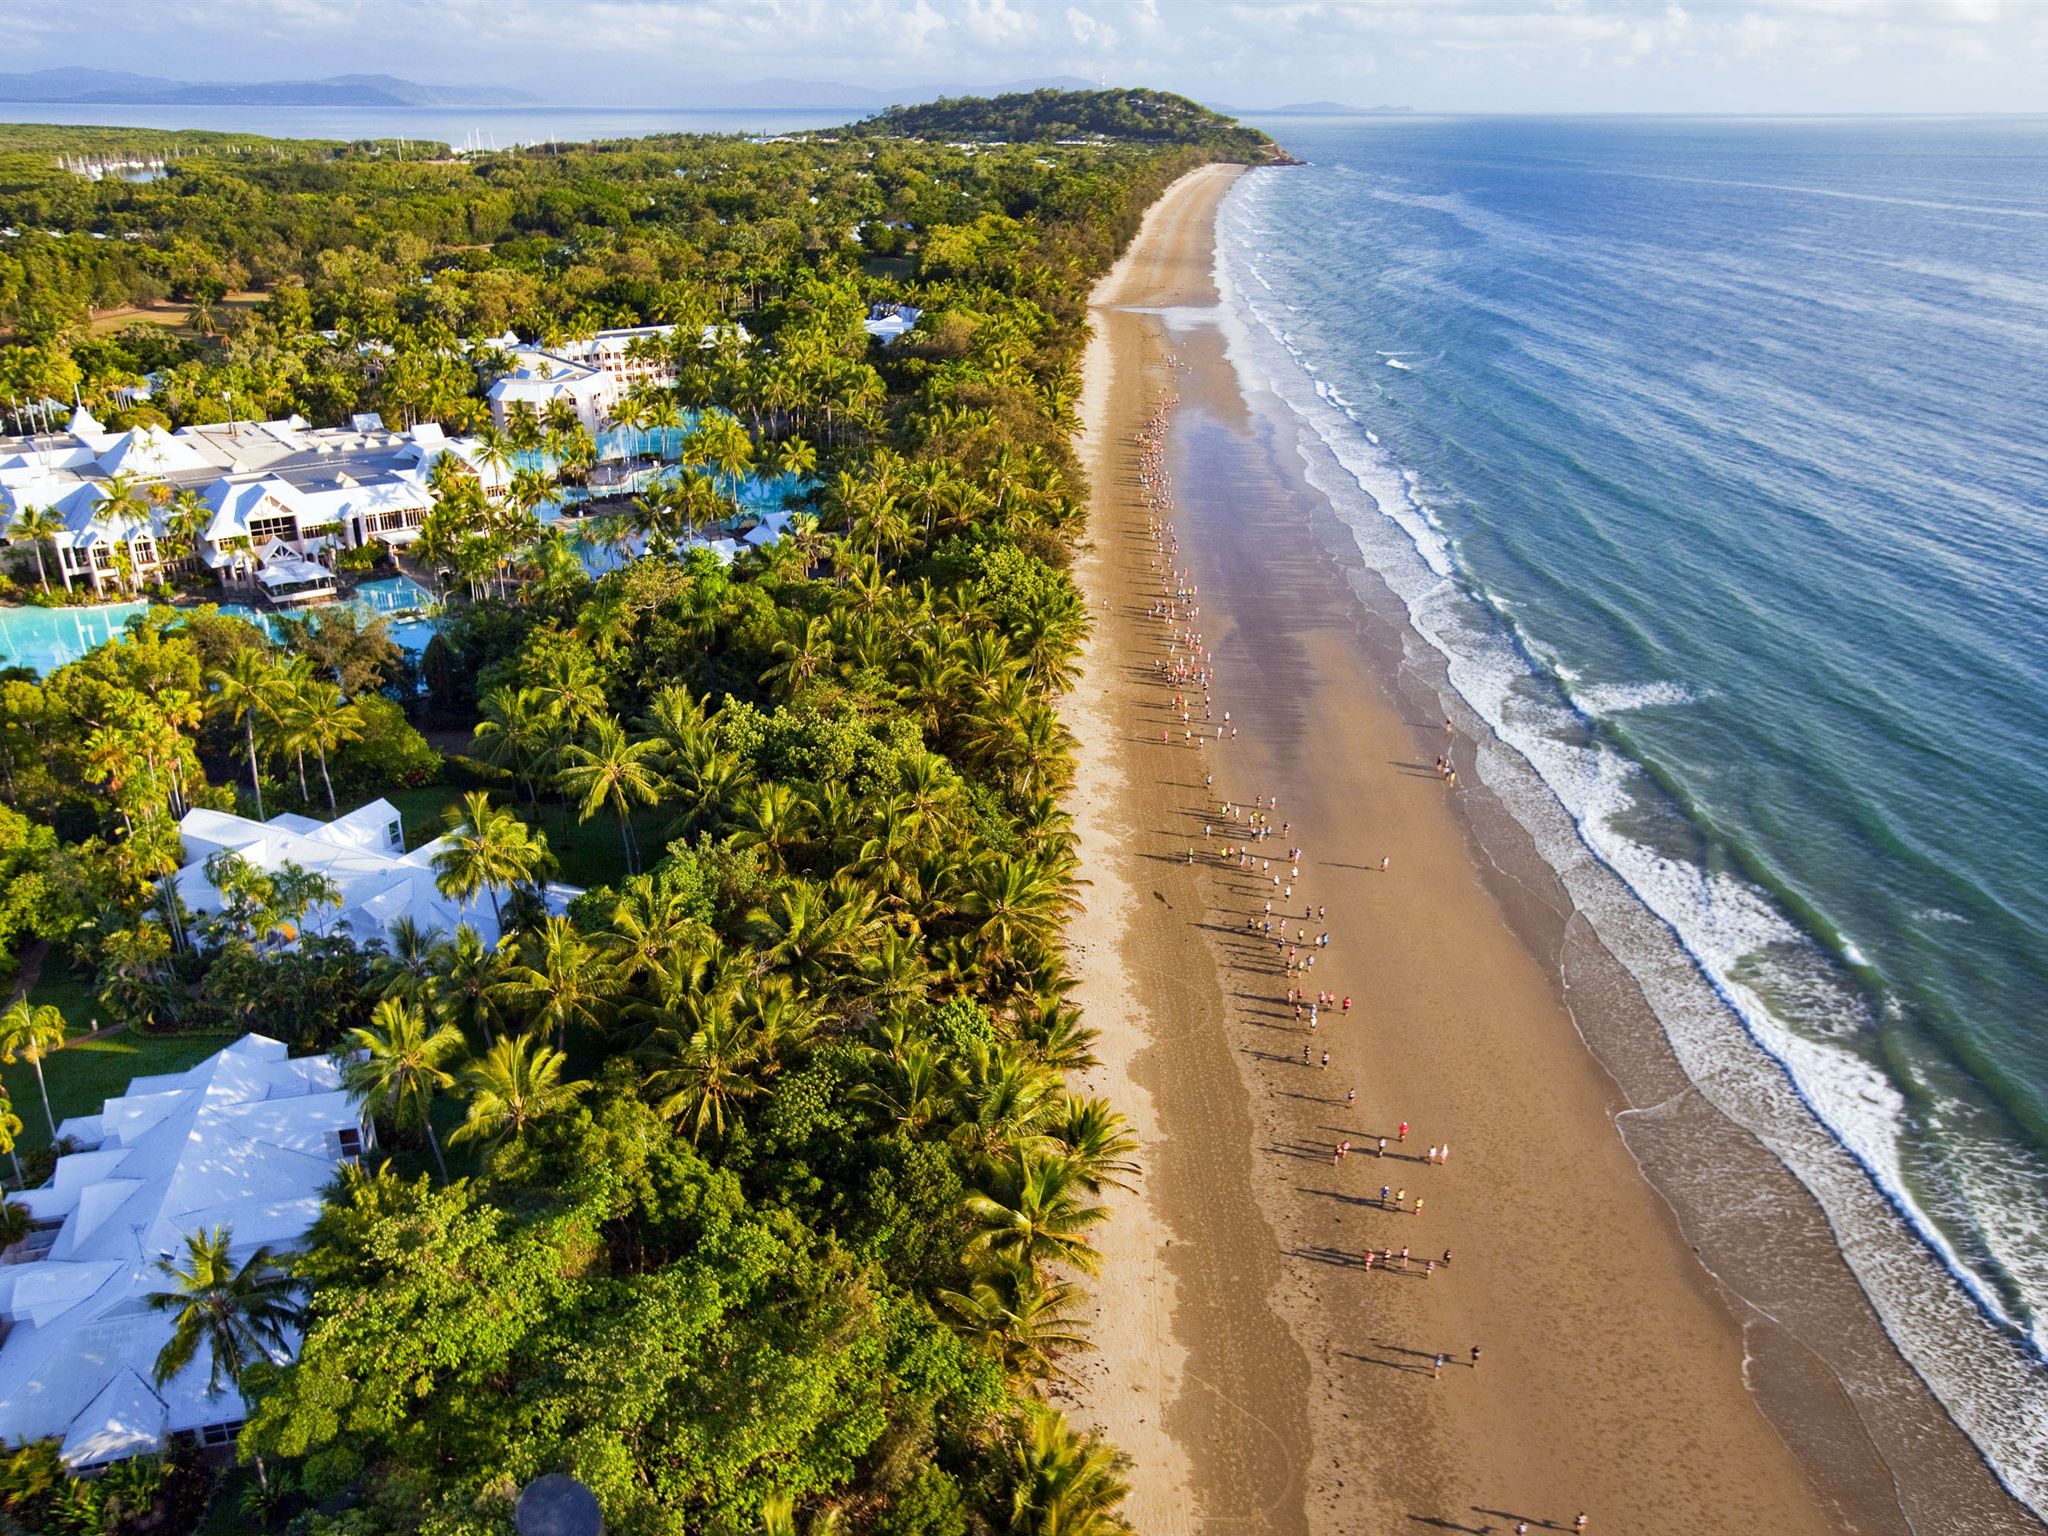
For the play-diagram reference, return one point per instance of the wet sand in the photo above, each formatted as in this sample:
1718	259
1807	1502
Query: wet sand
1260	1375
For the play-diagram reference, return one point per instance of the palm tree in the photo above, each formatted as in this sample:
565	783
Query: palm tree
612	771
1020	1318
709	1060
33	1032
239	1313
398	1068
1061	1483
773	818
561	979
328	720
514	733
38	525
487	850
1016	904
516	1082
799	660
914	1089
189	516
1098	1140
285	723
407	969
10	1133
1033	1213
649	931
466	977
242	690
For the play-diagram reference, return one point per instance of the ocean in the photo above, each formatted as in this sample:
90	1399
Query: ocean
1708	457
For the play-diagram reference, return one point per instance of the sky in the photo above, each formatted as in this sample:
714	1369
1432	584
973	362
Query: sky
1431	55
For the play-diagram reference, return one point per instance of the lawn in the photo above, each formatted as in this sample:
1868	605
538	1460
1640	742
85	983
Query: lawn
84	1075
68	994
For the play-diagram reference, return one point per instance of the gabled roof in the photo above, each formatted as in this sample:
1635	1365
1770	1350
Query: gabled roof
378	881
126	1419
247	1139
151	451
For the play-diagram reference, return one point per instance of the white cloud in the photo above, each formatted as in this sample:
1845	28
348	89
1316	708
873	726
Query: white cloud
1089	32
1451	54
995	24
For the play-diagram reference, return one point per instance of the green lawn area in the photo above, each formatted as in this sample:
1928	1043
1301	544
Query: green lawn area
68	994
85	1075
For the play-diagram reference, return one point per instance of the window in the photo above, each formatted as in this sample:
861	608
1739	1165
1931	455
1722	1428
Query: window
394	834
262	529
220	1434
351	1141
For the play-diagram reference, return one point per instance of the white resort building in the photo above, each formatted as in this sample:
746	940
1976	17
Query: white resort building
246	1139
590	373
275	493
363	853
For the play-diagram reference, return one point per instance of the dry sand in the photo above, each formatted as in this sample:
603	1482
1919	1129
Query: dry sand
1261	1378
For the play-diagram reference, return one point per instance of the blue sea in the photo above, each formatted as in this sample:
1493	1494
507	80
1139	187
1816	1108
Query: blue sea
1712	457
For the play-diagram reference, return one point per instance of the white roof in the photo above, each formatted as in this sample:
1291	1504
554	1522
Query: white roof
151	451
248	1138
363	853
126	1419
290	571
243	470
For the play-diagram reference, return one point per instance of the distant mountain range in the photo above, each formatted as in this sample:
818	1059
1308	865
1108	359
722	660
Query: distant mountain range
117	87
111	87
1313	109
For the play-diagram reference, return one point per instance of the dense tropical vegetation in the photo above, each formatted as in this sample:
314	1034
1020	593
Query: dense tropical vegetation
751	1191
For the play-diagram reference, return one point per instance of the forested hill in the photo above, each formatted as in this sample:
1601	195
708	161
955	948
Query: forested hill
1145	116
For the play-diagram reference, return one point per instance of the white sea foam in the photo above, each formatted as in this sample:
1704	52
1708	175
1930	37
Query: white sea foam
1937	915
1617	698
1739	969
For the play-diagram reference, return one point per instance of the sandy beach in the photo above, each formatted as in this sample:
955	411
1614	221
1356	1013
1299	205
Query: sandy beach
1261	1375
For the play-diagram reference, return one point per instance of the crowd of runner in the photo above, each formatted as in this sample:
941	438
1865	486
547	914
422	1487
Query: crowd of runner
1241	837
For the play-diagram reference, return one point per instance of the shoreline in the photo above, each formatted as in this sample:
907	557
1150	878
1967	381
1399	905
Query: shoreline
1844	1300
1576	1410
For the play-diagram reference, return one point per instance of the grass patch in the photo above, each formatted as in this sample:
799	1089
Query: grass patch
83	1076
589	852
70	995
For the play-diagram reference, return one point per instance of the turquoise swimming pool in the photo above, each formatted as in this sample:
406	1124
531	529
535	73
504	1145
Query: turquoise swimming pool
48	638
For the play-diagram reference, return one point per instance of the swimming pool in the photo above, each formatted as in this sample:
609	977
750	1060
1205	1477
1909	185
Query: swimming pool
48	638
403	603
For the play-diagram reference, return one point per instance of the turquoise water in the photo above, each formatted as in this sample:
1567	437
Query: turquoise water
1707	454
48	638
391	598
